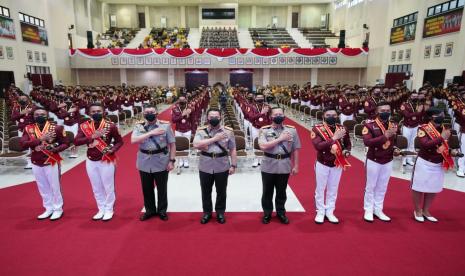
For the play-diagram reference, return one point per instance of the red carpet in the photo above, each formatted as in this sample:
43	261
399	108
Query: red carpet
243	246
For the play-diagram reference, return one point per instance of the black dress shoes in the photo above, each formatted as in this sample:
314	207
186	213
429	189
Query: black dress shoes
220	218
266	219
146	216
205	218
283	219
163	216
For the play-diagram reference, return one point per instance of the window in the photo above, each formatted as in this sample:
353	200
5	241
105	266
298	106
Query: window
31	20
430	11
4	11
401	68
409	18
445	7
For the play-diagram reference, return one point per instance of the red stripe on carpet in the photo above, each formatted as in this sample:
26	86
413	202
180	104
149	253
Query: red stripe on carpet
243	246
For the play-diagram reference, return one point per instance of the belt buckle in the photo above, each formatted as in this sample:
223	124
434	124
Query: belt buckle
213	155
278	156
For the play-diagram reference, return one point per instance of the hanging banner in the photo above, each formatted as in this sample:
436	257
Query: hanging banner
7	28
444	23
34	34
403	33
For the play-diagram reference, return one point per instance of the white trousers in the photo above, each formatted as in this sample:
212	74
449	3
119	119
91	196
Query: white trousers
461	161
343	118
248	126
254	132
294	101
116	112
377	179
327	178
74	128
410	133
307	103
187	134
102	178
130	108
314	106
48	183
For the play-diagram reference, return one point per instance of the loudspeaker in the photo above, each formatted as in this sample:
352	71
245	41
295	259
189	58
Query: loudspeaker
458	80
90	40
342	39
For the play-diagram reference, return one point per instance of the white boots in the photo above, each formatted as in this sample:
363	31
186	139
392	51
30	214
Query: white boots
369	216
320	217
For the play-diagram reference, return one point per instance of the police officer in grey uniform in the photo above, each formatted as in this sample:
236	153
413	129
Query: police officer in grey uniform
280	144
155	159
215	142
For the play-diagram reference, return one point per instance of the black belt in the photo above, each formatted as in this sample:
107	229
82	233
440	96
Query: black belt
277	156
214	155
164	150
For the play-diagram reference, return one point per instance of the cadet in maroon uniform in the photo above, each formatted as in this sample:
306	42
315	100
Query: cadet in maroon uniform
413	113
332	142
371	103
182	117
294	96
22	113
379	136
260	116
433	158
46	140
346	106
128	103
103	140
70	115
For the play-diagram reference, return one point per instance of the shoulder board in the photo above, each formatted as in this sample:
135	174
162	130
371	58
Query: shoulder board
202	127
268	126
141	122
163	121
289	126
228	128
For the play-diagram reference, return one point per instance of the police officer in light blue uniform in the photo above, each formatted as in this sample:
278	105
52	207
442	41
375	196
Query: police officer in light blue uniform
216	143
155	159
280	144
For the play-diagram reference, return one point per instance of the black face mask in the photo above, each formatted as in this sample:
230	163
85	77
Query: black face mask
259	101
278	119
384	116
438	120
331	121
214	122
97	116
40	120
150	117
182	103
22	102
250	99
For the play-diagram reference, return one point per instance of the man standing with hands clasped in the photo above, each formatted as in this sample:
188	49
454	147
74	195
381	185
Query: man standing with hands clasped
157	149
280	144
215	143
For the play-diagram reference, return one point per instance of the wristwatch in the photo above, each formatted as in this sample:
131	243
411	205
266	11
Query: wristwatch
173	160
